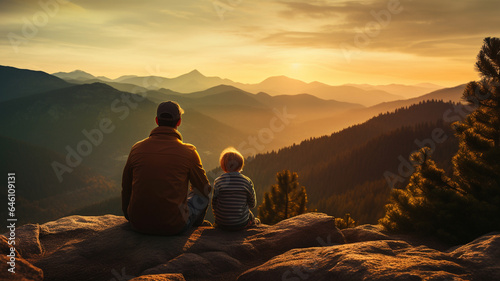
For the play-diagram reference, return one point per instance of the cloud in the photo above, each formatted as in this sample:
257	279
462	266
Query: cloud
323	9
417	27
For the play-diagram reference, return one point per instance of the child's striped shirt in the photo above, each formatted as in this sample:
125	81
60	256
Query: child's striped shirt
234	195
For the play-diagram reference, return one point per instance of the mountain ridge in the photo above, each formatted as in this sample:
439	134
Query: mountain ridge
17	82
75	75
195	81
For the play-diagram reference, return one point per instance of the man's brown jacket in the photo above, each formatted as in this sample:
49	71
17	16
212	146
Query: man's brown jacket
156	180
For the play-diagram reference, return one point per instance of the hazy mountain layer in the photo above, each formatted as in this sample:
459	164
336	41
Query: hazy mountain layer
407	91
278	85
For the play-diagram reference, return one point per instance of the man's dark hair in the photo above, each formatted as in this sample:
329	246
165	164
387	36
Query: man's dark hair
167	121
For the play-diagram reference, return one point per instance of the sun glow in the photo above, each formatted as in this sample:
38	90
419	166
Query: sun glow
296	66
250	42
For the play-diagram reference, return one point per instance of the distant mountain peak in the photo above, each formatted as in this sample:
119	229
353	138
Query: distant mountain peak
225	87
78	71
75	74
278	77
193	74
281	78
125	77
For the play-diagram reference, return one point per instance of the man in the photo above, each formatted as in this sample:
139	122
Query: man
156	178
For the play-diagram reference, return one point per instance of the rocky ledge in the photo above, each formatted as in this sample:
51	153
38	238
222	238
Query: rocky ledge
306	247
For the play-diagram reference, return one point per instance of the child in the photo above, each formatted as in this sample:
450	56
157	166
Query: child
234	194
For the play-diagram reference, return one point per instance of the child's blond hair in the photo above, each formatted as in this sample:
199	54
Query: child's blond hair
231	160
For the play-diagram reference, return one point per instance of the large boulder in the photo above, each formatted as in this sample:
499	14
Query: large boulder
105	247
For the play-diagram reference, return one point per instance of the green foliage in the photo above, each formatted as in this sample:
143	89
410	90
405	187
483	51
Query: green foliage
467	205
428	204
345	222
286	199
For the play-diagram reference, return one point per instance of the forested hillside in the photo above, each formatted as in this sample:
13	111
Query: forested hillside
344	172
40	197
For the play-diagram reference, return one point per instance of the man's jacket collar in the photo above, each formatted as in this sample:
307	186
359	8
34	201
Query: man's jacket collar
166	131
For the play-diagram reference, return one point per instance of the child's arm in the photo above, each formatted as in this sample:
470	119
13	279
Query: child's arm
252	199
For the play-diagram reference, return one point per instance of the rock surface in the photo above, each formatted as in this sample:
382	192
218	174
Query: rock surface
160	277
482	256
22	269
306	247
366	232
372	260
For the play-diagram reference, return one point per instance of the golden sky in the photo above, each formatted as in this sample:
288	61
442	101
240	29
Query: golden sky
335	42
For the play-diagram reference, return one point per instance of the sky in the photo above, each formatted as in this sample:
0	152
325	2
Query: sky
335	42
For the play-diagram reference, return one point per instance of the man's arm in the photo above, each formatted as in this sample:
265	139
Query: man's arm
126	186
198	177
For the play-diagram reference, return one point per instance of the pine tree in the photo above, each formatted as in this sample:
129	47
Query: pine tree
286	199
430	203
467	205
477	163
